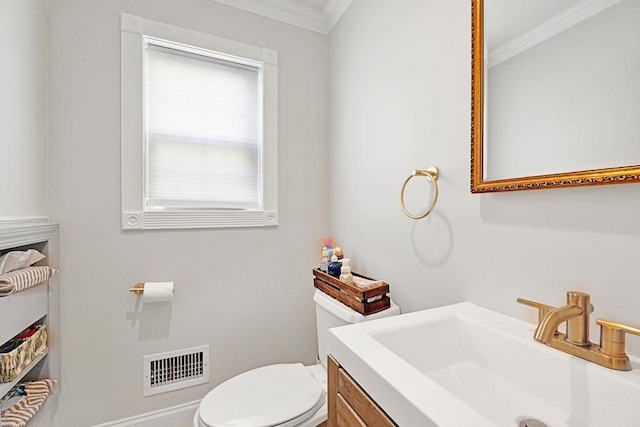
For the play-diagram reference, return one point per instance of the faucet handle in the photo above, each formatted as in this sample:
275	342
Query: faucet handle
543	309
612	337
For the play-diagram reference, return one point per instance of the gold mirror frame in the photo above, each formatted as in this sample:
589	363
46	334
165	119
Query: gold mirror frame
617	175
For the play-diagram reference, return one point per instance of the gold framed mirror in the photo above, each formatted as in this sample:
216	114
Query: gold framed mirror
568	153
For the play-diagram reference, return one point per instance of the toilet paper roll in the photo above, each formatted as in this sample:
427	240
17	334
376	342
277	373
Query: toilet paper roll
157	292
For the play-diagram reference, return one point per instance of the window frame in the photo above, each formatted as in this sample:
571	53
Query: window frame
135	32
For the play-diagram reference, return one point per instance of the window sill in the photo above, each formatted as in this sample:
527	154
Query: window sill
200	219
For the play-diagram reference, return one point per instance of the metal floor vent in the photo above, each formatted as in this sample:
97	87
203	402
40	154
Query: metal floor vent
174	370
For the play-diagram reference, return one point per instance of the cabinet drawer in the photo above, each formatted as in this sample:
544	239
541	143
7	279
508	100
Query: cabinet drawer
22	309
369	412
347	417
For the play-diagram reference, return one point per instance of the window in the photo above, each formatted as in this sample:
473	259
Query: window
199	130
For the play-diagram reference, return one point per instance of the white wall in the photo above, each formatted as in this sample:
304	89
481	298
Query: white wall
23	114
400	100
399	96
247	293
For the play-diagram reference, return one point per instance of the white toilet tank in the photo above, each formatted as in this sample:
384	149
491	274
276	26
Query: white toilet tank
331	313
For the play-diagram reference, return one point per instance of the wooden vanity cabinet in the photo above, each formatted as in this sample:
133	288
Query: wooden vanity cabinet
349	405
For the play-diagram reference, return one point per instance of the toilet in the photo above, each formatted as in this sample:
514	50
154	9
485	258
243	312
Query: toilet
282	395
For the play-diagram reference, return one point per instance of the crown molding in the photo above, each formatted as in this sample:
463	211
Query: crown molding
564	20
16	232
333	11
289	12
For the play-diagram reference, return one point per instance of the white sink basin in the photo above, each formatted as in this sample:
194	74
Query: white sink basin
462	365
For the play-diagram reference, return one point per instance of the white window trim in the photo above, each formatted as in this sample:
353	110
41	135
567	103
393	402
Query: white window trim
134	216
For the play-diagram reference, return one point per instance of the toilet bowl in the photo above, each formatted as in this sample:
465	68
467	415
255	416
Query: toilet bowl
282	395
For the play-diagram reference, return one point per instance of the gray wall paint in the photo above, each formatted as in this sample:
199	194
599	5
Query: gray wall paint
400	100
247	293
23	110
399	97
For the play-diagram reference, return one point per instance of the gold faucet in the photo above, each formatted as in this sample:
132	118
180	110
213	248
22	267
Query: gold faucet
611	350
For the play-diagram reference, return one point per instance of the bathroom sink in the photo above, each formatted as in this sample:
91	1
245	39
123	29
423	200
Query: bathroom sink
463	365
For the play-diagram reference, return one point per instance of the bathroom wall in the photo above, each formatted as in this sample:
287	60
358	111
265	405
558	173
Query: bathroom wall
399	85
23	114
245	292
400	100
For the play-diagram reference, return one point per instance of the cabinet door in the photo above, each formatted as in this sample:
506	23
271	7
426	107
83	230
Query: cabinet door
332	392
347	416
349	404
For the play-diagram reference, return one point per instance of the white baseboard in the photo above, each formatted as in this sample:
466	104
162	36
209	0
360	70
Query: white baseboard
175	416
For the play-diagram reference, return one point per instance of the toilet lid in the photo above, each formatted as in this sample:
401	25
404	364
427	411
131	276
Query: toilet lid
264	397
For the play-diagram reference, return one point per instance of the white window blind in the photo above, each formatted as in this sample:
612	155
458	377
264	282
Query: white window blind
203	133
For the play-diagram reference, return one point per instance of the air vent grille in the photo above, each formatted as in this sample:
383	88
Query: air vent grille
171	371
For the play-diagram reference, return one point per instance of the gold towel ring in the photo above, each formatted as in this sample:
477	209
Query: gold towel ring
432	173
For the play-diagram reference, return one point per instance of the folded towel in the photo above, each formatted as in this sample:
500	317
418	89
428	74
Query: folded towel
6	289
363	283
20	413
20	280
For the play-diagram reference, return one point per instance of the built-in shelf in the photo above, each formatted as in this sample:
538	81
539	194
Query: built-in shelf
5	387
38	304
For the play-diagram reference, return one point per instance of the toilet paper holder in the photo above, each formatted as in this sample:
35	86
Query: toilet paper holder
161	290
138	289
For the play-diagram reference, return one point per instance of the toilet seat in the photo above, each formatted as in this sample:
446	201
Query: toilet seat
276	395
